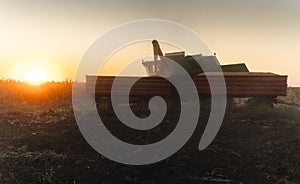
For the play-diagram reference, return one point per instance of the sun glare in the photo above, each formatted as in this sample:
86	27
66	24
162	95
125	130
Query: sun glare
35	71
36	76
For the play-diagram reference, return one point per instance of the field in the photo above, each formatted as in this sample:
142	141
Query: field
41	143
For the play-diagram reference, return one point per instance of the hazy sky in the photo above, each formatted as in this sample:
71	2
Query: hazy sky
55	34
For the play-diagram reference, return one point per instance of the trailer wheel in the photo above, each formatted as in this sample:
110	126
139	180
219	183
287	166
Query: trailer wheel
263	100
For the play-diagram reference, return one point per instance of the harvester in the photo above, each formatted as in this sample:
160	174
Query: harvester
192	64
258	86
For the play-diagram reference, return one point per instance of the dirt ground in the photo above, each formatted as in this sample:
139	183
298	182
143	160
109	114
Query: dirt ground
41	143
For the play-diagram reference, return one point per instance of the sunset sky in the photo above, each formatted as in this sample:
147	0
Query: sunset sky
54	35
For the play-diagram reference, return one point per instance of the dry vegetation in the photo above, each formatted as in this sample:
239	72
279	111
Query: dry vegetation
12	92
40	143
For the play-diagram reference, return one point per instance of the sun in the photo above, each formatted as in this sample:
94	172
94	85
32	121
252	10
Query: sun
36	76
35	71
